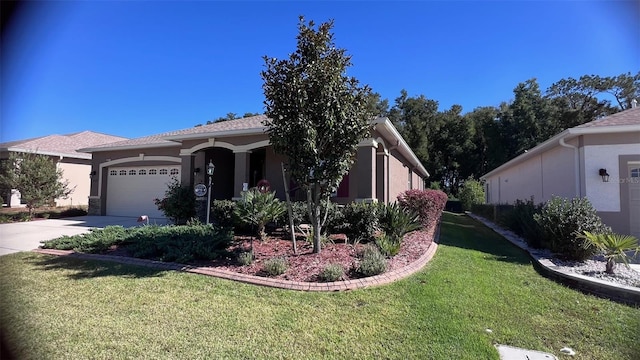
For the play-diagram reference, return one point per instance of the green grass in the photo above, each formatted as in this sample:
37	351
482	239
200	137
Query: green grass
55	308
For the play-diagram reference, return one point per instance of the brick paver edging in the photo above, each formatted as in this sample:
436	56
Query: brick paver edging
354	284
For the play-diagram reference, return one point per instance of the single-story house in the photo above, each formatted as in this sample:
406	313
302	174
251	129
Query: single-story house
132	173
599	160
62	149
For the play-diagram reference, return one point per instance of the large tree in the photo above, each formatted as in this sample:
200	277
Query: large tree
318	114
37	178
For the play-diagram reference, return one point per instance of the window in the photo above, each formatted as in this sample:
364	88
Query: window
343	188
123	172
132	172
163	171
142	172
153	171
113	172
635	172
175	171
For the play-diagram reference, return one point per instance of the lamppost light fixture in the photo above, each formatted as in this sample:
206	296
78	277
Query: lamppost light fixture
210	168
604	174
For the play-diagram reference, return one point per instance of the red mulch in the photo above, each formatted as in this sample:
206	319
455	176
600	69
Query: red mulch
305	265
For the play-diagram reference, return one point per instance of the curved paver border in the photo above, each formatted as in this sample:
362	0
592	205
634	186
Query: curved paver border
354	284
606	289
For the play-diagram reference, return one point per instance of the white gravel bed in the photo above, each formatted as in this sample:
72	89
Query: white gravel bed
593	267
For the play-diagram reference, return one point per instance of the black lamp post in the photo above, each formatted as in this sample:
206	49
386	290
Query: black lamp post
210	169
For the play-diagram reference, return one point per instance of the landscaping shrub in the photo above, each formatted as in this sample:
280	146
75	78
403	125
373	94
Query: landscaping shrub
332	272
223	214
428	204
275	266
486	211
70	212
372	262
519	218
396	221
245	258
563	221
388	245
178	204
614	247
472	193
259	208
358	221
95	241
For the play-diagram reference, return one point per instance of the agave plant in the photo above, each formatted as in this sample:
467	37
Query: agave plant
615	247
259	208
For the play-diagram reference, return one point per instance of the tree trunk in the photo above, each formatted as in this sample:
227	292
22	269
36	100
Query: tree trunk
610	265
289	210
313	200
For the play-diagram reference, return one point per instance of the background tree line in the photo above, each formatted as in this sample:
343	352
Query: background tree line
455	146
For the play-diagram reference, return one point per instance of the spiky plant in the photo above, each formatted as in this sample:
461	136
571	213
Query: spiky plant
259	208
614	247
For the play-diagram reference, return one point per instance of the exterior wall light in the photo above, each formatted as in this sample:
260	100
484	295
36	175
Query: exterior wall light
604	174
210	168
92	173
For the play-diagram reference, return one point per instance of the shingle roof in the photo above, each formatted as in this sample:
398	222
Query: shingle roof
626	117
66	145
237	125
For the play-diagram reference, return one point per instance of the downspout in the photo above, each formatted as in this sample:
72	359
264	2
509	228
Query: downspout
576	164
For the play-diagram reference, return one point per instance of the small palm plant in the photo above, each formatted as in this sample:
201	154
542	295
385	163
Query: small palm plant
259	208
615	247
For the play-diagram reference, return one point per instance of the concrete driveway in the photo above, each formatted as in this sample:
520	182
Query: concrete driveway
26	236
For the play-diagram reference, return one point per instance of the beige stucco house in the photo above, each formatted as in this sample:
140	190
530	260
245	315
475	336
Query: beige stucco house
132	173
599	160
62	149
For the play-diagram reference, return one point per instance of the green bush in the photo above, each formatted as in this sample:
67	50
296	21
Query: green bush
275	266
184	243
245	258
358	221
95	241
472	193
372	262
223	214
178	204
563	221
332	272
258	208
388	245
396	221
519	218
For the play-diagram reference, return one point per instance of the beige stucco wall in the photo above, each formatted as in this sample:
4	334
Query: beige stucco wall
78	177
398	177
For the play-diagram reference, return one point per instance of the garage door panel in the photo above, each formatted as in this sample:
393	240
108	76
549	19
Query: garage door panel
131	190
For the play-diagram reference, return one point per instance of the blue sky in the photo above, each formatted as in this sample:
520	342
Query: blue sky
139	68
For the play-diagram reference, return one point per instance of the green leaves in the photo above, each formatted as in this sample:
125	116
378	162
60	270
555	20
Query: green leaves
614	247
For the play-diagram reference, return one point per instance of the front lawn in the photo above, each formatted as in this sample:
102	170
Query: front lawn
56	307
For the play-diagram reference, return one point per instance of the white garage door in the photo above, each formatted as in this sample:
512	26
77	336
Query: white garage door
131	190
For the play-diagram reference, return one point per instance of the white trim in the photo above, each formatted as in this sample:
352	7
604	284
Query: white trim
226	145
217	134
132	159
48	153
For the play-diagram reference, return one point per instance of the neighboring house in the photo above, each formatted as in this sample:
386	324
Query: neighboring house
132	173
599	160
62	149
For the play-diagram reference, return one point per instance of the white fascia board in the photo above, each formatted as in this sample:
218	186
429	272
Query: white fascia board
604	129
129	147
217	134
49	153
404	149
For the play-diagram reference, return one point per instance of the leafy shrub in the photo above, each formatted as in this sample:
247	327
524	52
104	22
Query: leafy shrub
472	193
332	272
388	245
71	212
245	258
95	241
275	266
428	204
396	221
178	204
519	218
358	221
258	208
613	247
372	262
563	221
183	243
223	214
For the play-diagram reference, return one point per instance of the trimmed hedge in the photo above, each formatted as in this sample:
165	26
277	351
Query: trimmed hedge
428	204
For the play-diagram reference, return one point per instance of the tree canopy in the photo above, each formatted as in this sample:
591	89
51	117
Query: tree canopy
318	114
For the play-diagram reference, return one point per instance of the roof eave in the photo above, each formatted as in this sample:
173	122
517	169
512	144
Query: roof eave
129	147
217	134
48	153
403	147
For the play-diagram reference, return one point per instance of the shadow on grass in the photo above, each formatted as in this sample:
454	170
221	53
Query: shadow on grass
84	269
461	231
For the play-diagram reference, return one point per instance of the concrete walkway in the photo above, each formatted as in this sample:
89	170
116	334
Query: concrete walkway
26	236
